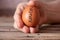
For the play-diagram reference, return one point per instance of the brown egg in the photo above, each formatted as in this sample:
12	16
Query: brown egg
31	16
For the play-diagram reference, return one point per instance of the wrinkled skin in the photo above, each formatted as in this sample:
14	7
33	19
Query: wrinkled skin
49	13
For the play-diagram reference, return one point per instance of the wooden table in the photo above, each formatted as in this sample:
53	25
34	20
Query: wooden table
8	32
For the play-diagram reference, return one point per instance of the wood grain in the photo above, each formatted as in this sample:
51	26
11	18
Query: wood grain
8	32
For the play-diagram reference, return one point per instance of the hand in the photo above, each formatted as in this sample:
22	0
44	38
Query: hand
18	23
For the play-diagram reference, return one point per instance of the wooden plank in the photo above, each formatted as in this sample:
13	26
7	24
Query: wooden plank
19	35
50	29
8	32
13	34
47	29
7	29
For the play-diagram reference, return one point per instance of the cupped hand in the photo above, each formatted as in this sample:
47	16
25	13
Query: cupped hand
18	23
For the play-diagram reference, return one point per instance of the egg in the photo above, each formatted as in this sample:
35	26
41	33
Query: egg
31	16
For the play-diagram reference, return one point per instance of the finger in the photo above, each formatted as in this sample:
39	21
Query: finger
18	21
34	29
16	26
18	14
26	29
23	28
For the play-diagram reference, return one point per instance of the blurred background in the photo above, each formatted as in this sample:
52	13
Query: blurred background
7	7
